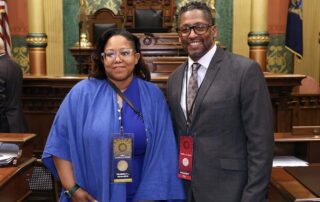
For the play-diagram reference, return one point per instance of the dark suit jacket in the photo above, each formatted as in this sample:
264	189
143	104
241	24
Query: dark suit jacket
232	121
11	79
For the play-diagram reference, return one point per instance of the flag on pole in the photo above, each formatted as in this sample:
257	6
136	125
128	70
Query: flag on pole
4	26
294	40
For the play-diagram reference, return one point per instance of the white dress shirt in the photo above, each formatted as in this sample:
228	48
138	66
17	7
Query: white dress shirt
204	61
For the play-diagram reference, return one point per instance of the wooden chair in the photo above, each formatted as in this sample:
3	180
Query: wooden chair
43	185
101	20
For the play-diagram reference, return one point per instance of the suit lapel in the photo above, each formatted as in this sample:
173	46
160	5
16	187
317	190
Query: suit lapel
177	93
211	74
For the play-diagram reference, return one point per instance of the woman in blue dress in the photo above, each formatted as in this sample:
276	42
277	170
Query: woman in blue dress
112	138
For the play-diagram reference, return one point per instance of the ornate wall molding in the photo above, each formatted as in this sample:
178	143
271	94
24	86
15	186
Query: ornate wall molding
37	40
258	39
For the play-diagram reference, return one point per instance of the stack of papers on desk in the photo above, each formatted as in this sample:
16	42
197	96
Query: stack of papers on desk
8	152
288	161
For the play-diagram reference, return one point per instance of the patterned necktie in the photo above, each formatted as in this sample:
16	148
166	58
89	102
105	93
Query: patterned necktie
193	86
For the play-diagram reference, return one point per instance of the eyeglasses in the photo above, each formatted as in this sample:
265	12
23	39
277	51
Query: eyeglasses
112	54
198	29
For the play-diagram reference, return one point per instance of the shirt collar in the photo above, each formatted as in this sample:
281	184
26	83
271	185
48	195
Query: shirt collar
205	60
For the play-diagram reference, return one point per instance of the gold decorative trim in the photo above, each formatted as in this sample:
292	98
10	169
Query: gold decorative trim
37	40
258	39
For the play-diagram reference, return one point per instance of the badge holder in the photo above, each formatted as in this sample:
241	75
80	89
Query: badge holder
122	147
185	156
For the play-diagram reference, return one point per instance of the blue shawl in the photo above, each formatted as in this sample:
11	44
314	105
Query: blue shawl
81	133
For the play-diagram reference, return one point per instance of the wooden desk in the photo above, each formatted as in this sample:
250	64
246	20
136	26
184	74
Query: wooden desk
42	96
14	181
285	188
25	141
280	88
304	146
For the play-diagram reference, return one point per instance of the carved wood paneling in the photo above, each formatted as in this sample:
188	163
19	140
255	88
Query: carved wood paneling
42	97
305	110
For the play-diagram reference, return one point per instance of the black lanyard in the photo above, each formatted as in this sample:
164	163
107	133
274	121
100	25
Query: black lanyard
127	101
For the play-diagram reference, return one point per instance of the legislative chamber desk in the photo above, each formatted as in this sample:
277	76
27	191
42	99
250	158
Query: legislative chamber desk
42	96
295	184
14	178
302	145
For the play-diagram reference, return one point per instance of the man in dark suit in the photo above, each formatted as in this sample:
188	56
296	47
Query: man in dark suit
11	117
224	123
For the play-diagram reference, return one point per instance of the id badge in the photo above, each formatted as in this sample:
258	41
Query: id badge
185	157
122	147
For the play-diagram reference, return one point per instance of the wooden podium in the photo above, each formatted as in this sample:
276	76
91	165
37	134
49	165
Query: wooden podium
14	179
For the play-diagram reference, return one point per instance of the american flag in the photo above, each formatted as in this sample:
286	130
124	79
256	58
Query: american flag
4	26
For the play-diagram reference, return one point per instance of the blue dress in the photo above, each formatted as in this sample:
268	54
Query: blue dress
82	134
132	123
